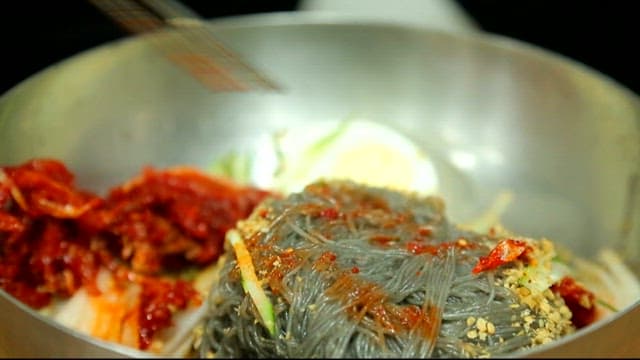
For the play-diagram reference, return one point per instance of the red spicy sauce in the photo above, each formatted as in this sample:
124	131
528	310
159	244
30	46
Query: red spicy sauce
55	237
159	301
325	261
363	298
419	247
172	218
273	265
580	301
42	253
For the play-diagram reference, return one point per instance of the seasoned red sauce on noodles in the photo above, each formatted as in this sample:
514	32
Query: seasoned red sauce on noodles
359	296
349	270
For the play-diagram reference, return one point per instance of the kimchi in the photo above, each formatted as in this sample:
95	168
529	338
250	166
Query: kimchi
116	266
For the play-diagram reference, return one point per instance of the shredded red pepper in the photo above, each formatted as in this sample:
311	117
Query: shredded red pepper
54	237
504	252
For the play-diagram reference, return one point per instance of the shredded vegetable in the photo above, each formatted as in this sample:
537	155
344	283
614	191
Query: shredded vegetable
250	282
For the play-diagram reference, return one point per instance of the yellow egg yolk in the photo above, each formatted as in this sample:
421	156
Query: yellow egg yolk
376	165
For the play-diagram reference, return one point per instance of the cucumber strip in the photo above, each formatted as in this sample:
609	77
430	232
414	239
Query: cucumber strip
250	282
606	305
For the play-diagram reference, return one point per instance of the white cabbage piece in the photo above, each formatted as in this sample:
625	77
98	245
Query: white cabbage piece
113	314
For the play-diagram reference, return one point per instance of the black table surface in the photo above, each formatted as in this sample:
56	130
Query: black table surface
601	34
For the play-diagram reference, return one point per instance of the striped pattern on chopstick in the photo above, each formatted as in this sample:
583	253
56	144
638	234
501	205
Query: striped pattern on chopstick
192	47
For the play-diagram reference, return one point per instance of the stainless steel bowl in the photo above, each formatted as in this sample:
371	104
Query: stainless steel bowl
563	138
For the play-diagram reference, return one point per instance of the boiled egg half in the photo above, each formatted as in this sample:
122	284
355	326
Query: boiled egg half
360	150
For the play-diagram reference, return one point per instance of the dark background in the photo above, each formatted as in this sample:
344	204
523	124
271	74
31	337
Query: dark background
600	34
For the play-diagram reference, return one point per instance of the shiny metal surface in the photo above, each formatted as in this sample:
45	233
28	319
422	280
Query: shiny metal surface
494	114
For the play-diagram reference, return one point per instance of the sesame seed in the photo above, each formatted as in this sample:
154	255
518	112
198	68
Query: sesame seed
541	335
524	291
585	302
558	302
545	307
529	301
482	336
491	329
472	334
548	294
481	324
471	320
555	317
549	325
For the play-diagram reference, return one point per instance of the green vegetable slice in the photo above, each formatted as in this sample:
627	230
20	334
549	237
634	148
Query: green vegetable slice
236	166
250	282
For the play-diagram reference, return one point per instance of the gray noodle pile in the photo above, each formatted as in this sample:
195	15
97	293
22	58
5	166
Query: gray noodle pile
360	272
